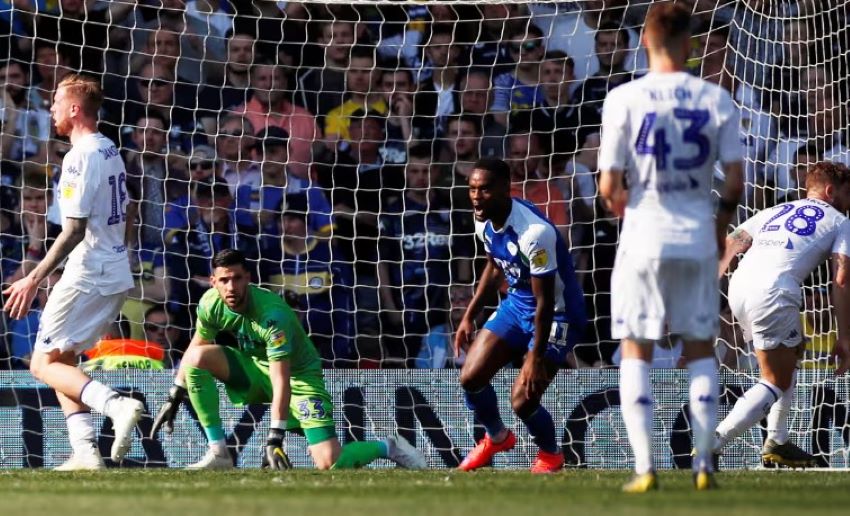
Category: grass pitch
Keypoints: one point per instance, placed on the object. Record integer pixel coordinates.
(411, 493)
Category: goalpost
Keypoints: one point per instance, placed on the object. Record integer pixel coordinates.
(296, 129)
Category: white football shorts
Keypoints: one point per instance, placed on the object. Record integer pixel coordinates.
(76, 320)
(768, 319)
(653, 297)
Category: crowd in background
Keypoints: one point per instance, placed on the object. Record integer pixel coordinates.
(332, 144)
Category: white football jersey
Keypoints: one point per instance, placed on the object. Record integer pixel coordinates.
(789, 241)
(666, 131)
(93, 185)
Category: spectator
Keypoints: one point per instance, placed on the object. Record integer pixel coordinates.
(149, 285)
(305, 270)
(188, 258)
(234, 144)
(202, 165)
(441, 89)
(491, 47)
(530, 182)
(52, 66)
(557, 119)
(160, 328)
(573, 32)
(612, 48)
(321, 88)
(519, 90)
(269, 107)
(579, 185)
(363, 93)
(26, 127)
(411, 116)
(117, 350)
(37, 233)
(162, 48)
(437, 349)
(233, 89)
(416, 257)
(475, 99)
(256, 206)
(461, 150)
(215, 14)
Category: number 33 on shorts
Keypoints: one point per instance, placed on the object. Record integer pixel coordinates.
(311, 408)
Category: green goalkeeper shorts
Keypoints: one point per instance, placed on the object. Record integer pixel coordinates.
(310, 407)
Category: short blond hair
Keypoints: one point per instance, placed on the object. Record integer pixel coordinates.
(86, 90)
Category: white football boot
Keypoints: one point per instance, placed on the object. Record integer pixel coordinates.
(86, 458)
(404, 454)
(213, 460)
(125, 414)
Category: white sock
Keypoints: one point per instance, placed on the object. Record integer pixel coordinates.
(219, 446)
(703, 403)
(749, 410)
(777, 419)
(636, 407)
(80, 430)
(96, 394)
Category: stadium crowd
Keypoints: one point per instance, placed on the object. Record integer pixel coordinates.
(332, 145)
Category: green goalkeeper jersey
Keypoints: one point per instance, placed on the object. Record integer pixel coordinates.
(268, 330)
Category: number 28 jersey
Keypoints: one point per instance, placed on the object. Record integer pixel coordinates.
(789, 241)
(666, 131)
(93, 186)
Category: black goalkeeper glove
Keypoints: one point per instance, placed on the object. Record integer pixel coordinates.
(167, 412)
(275, 457)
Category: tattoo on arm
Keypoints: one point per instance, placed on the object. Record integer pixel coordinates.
(741, 238)
(73, 232)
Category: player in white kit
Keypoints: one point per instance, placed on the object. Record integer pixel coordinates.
(783, 245)
(661, 136)
(95, 281)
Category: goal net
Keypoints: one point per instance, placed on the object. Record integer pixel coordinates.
(331, 142)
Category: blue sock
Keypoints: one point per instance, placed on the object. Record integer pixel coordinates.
(486, 409)
(542, 429)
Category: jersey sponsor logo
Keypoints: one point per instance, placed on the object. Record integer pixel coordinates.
(421, 240)
(540, 258)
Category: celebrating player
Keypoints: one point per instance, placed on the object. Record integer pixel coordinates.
(783, 245)
(275, 362)
(542, 316)
(96, 279)
(664, 132)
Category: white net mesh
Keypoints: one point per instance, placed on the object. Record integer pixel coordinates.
(331, 142)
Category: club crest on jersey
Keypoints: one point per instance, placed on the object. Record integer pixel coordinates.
(512, 248)
(540, 258)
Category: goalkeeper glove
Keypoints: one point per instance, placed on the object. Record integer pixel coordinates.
(168, 411)
(275, 457)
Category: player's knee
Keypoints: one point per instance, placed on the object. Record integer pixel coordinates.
(522, 406)
(197, 357)
(470, 381)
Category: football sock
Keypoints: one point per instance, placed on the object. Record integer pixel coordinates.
(703, 408)
(542, 429)
(204, 396)
(486, 408)
(749, 410)
(80, 430)
(636, 406)
(360, 453)
(96, 395)
(777, 419)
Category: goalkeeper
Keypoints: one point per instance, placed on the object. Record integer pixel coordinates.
(275, 362)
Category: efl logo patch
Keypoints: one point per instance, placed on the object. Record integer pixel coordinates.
(278, 339)
(68, 190)
(540, 258)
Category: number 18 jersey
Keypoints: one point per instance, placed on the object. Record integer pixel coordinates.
(789, 241)
(93, 187)
(666, 131)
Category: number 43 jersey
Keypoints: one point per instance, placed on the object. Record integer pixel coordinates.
(93, 187)
(665, 131)
(789, 241)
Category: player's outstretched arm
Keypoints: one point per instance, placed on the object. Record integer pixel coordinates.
(281, 395)
(20, 294)
(490, 280)
(841, 300)
(738, 242)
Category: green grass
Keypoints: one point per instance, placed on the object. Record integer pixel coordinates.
(405, 493)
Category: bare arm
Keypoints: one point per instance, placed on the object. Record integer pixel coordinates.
(841, 301)
(73, 232)
(487, 286)
(738, 242)
(732, 191)
(543, 288)
(281, 390)
(614, 194)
